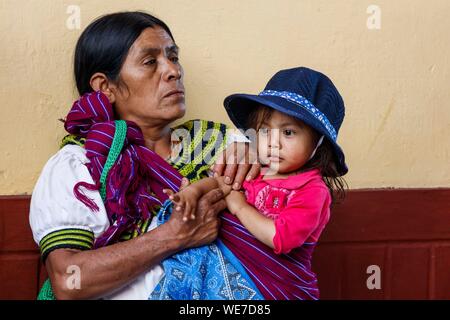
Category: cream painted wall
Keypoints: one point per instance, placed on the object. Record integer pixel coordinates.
(395, 80)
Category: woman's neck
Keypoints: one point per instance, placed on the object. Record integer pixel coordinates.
(157, 138)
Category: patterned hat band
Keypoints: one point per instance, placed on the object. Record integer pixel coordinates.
(306, 105)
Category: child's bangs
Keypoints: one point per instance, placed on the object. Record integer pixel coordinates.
(258, 116)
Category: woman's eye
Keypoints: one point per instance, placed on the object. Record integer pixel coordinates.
(175, 59)
(150, 62)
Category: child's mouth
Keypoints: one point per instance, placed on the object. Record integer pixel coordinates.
(274, 159)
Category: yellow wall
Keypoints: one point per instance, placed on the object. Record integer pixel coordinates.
(395, 80)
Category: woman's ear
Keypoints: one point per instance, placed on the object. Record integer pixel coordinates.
(99, 82)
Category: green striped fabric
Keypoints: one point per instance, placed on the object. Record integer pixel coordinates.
(207, 141)
(66, 238)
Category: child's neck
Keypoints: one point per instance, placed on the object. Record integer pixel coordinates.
(270, 175)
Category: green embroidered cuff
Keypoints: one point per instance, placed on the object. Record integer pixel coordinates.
(66, 238)
(72, 139)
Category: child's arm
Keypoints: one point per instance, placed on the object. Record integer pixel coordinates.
(261, 227)
(187, 198)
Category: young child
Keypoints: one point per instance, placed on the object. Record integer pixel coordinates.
(296, 120)
(289, 203)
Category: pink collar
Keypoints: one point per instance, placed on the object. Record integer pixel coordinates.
(295, 181)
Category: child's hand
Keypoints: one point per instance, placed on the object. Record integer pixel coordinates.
(184, 183)
(226, 189)
(235, 202)
(185, 200)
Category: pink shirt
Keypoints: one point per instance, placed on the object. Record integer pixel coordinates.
(299, 205)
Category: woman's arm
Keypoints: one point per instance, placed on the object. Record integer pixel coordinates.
(261, 227)
(107, 269)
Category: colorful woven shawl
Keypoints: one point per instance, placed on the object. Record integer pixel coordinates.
(134, 183)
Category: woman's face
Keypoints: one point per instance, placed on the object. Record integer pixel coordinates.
(150, 90)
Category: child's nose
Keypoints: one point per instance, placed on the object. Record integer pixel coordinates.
(274, 139)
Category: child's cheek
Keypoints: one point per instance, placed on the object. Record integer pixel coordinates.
(262, 153)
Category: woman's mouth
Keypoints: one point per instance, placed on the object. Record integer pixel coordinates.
(174, 94)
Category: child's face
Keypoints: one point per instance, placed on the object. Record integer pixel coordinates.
(284, 143)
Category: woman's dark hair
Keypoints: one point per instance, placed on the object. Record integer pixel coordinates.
(324, 158)
(104, 45)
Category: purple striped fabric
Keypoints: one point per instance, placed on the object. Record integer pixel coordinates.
(134, 184)
(278, 277)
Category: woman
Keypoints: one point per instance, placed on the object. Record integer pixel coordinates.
(127, 68)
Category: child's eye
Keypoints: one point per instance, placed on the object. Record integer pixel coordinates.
(288, 132)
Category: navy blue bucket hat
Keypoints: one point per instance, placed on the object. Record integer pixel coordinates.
(305, 94)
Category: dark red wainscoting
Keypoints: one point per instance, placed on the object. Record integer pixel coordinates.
(406, 233)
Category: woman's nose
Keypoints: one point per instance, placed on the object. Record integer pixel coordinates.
(172, 71)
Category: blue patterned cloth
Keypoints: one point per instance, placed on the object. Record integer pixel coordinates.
(210, 272)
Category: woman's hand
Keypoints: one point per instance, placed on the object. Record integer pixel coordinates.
(204, 229)
(236, 163)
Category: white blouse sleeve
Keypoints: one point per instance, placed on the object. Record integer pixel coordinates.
(57, 218)
(235, 135)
